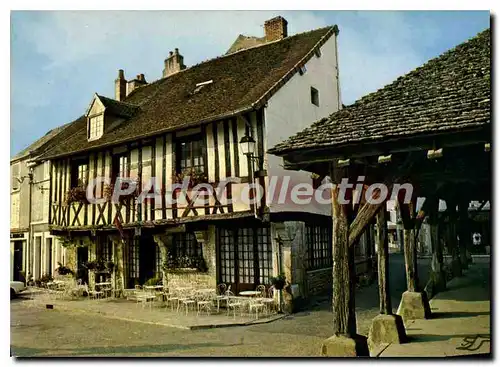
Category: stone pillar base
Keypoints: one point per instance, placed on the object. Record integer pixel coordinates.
(414, 306)
(344, 346)
(387, 329)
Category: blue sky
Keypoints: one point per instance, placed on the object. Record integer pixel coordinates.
(60, 59)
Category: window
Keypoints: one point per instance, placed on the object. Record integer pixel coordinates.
(190, 155)
(15, 176)
(185, 245)
(106, 250)
(317, 52)
(302, 70)
(95, 126)
(48, 254)
(120, 163)
(319, 247)
(245, 256)
(158, 263)
(79, 173)
(314, 96)
(133, 259)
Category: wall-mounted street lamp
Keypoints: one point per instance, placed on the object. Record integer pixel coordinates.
(247, 146)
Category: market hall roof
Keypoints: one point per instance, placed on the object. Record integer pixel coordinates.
(447, 94)
(242, 81)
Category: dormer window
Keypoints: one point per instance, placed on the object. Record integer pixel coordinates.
(95, 127)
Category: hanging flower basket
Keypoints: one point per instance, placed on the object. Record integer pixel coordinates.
(195, 177)
(76, 195)
(109, 190)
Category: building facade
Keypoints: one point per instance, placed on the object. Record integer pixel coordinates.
(193, 122)
(34, 250)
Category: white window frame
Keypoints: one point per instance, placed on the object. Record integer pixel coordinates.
(18, 188)
(95, 126)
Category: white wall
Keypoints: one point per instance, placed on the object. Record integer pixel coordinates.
(290, 110)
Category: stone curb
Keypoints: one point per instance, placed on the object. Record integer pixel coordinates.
(193, 327)
(248, 323)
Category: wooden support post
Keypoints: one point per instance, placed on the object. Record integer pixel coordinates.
(414, 304)
(383, 263)
(452, 243)
(344, 315)
(465, 235)
(437, 281)
(345, 342)
(386, 327)
(410, 250)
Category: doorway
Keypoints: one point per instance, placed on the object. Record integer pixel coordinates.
(147, 258)
(82, 256)
(244, 257)
(18, 261)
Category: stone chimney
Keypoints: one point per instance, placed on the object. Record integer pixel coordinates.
(173, 63)
(120, 86)
(135, 83)
(275, 28)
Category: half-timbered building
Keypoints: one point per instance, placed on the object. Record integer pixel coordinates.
(195, 119)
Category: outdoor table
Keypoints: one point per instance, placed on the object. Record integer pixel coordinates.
(155, 287)
(249, 293)
(205, 290)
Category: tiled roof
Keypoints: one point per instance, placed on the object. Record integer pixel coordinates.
(450, 92)
(118, 108)
(242, 81)
(244, 42)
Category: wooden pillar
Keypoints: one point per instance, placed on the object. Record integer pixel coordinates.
(464, 233)
(386, 328)
(452, 243)
(410, 250)
(438, 276)
(383, 263)
(345, 341)
(344, 315)
(414, 303)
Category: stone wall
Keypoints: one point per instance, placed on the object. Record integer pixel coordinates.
(190, 278)
(319, 282)
(195, 278)
(70, 257)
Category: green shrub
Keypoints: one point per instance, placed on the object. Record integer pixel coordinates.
(153, 281)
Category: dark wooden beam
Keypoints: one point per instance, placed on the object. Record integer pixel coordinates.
(383, 262)
(344, 310)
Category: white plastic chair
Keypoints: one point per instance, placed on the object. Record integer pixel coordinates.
(255, 304)
(234, 303)
(186, 300)
(205, 303)
(269, 300)
(222, 296)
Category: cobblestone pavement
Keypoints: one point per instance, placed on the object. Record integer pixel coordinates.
(41, 332)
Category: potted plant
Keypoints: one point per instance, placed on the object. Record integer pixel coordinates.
(63, 270)
(91, 265)
(279, 281)
(110, 266)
